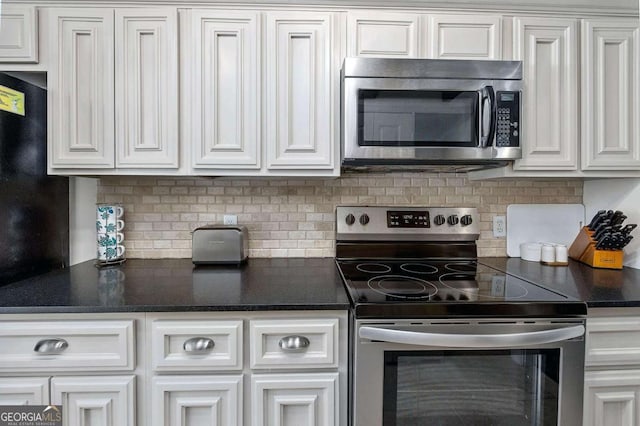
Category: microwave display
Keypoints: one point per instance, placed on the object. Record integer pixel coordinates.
(417, 118)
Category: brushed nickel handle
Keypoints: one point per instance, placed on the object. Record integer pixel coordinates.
(294, 343)
(197, 345)
(51, 346)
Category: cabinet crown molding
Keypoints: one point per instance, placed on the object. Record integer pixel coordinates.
(581, 7)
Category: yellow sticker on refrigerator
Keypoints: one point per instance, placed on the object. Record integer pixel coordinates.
(11, 100)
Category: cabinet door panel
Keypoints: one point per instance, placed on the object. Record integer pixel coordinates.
(300, 80)
(612, 398)
(548, 49)
(80, 86)
(147, 87)
(610, 95)
(18, 33)
(197, 400)
(225, 90)
(24, 390)
(294, 399)
(95, 401)
(380, 35)
(465, 37)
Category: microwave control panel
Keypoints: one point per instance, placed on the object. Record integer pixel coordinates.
(508, 123)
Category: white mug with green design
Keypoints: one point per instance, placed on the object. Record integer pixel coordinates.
(108, 218)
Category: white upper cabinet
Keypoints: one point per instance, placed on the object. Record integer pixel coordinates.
(465, 37)
(81, 88)
(146, 63)
(548, 48)
(383, 34)
(18, 33)
(225, 90)
(610, 94)
(301, 82)
(113, 73)
(414, 35)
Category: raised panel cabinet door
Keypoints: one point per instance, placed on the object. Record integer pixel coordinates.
(611, 398)
(80, 88)
(95, 400)
(383, 35)
(225, 89)
(610, 94)
(294, 399)
(196, 400)
(300, 88)
(18, 33)
(465, 37)
(548, 48)
(24, 390)
(146, 84)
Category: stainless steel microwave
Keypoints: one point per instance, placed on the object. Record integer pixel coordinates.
(430, 113)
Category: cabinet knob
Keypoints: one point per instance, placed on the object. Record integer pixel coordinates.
(197, 345)
(294, 343)
(51, 346)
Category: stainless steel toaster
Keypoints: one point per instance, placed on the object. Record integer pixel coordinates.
(219, 244)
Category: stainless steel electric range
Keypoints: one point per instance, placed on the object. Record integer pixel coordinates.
(438, 338)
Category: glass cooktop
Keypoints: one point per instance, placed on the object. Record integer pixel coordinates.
(400, 288)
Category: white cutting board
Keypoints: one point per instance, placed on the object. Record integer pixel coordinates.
(544, 223)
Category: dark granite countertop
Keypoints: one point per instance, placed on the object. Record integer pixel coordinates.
(145, 285)
(608, 288)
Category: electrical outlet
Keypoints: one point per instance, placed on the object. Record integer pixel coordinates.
(230, 219)
(499, 226)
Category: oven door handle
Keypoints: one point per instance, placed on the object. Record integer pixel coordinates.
(510, 340)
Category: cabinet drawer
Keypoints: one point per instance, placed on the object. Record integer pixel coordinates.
(296, 343)
(613, 342)
(81, 345)
(185, 345)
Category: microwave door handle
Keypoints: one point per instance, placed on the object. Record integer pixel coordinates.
(510, 340)
(489, 114)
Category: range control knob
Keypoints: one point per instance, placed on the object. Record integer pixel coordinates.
(350, 219)
(364, 219)
(453, 220)
(439, 220)
(466, 220)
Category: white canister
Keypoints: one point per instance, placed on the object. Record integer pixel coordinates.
(548, 253)
(530, 251)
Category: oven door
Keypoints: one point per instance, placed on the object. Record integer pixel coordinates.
(477, 372)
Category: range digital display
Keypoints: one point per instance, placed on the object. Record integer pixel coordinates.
(408, 219)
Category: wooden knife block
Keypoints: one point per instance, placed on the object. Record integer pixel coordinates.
(583, 249)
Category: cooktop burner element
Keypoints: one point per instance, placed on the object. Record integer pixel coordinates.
(402, 287)
(400, 262)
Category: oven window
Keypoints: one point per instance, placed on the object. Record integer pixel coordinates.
(417, 118)
(447, 388)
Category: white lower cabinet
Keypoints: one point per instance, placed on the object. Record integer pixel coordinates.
(24, 390)
(281, 368)
(197, 400)
(295, 399)
(612, 398)
(612, 369)
(95, 400)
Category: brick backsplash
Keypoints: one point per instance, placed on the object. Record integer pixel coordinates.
(294, 217)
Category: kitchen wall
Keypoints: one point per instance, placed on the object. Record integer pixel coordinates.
(295, 217)
(617, 194)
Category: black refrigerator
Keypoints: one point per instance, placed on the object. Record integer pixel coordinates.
(34, 207)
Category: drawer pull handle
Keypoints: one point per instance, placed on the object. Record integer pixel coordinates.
(197, 345)
(294, 343)
(51, 346)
